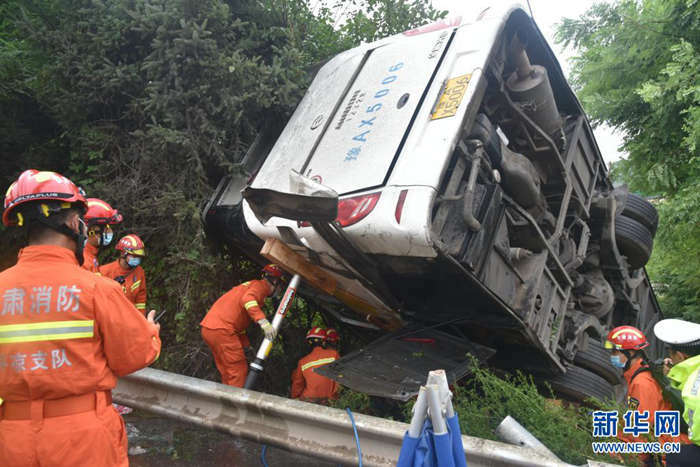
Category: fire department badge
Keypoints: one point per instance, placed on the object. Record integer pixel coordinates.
(632, 403)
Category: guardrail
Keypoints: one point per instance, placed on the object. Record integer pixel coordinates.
(310, 429)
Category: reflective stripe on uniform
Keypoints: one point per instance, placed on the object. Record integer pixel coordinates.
(690, 398)
(322, 361)
(250, 304)
(696, 385)
(48, 331)
(135, 285)
(140, 306)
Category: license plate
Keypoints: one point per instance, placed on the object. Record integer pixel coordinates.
(451, 97)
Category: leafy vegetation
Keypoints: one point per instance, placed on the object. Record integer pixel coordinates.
(147, 104)
(674, 265)
(487, 399)
(636, 70)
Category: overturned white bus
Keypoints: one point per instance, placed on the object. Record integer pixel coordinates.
(449, 180)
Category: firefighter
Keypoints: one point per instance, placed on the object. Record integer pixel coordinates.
(308, 385)
(224, 326)
(683, 339)
(127, 270)
(100, 216)
(644, 393)
(66, 335)
(331, 339)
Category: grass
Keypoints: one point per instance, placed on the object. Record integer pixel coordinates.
(484, 399)
(566, 429)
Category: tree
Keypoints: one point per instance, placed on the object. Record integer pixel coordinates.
(147, 104)
(674, 267)
(636, 70)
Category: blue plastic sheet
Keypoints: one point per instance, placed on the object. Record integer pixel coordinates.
(431, 450)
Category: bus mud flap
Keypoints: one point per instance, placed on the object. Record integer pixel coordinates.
(395, 365)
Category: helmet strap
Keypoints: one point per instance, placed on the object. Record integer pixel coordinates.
(642, 354)
(41, 212)
(94, 233)
(627, 354)
(124, 261)
(78, 238)
(631, 355)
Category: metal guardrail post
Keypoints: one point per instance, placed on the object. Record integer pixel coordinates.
(510, 431)
(313, 430)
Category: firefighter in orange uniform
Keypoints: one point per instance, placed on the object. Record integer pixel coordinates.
(224, 326)
(331, 340)
(100, 216)
(308, 385)
(626, 344)
(65, 336)
(127, 270)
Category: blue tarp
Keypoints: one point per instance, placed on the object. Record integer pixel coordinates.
(431, 450)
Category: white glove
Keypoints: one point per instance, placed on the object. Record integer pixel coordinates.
(270, 332)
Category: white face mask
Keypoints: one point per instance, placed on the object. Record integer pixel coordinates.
(616, 361)
(133, 261)
(107, 237)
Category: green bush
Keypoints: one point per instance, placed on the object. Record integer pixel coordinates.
(148, 104)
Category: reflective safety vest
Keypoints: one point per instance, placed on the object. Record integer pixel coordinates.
(686, 377)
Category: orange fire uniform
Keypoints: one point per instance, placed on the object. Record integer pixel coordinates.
(133, 283)
(65, 337)
(90, 262)
(644, 393)
(308, 385)
(224, 326)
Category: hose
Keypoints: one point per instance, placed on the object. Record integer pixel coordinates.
(357, 443)
(357, 438)
(262, 455)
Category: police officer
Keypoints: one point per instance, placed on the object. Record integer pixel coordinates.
(683, 339)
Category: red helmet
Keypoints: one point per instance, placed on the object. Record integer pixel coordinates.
(273, 270)
(316, 333)
(33, 185)
(332, 336)
(626, 338)
(132, 245)
(101, 213)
